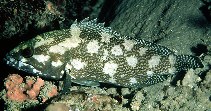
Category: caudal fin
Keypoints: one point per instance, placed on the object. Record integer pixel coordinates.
(184, 62)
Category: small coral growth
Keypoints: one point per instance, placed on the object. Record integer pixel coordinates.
(27, 90)
(14, 89)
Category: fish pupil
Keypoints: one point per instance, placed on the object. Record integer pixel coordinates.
(27, 52)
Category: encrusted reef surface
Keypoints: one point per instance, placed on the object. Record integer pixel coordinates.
(19, 17)
(159, 97)
(179, 25)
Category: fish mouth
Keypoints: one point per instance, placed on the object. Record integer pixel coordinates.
(20, 65)
(26, 67)
(10, 61)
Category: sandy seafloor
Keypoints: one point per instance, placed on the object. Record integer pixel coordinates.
(181, 25)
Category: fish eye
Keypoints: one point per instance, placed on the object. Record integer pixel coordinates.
(27, 52)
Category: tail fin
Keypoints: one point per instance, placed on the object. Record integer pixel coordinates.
(184, 62)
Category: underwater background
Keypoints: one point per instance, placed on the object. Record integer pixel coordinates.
(182, 26)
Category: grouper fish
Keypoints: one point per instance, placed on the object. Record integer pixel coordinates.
(89, 53)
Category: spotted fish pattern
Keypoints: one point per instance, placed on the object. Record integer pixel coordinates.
(90, 53)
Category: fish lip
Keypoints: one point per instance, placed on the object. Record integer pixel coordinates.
(24, 66)
(28, 68)
(7, 60)
(10, 61)
(16, 64)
